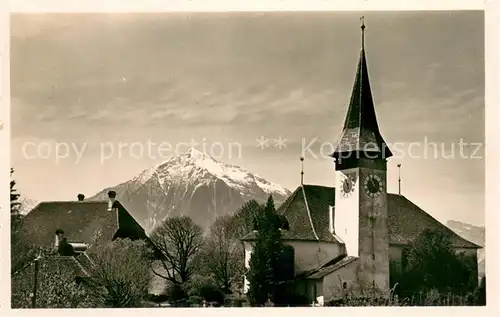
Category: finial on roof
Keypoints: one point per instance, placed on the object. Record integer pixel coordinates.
(362, 19)
(302, 171)
(399, 179)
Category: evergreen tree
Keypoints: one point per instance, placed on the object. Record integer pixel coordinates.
(15, 205)
(21, 253)
(264, 275)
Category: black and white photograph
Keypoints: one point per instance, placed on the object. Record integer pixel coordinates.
(247, 159)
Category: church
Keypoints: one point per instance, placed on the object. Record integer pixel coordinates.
(348, 238)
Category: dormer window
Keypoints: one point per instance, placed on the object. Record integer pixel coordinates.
(283, 223)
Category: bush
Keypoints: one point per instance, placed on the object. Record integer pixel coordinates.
(430, 265)
(205, 288)
(195, 300)
(211, 293)
(175, 293)
(121, 273)
(57, 287)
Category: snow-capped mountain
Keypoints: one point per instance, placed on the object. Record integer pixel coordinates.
(474, 234)
(192, 184)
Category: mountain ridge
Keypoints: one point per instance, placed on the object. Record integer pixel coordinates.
(192, 184)
(474, 234)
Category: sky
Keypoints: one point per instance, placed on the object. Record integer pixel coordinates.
(97, 98)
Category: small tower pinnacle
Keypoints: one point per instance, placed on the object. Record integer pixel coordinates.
(399, 179)
(302, 171)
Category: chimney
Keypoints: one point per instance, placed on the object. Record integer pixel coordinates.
(330, 224)
(59, 236)
(112, 198)
(81, 197)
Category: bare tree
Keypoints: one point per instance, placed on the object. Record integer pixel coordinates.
(120, 273)
(224, 253)
(179, 241)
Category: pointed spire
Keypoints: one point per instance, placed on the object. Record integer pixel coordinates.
(361, 133)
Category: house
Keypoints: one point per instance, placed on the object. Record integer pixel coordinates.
(351, 236)
(69, 228)
(89, 222)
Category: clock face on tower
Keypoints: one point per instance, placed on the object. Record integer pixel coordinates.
(347, 186)
(373, 185)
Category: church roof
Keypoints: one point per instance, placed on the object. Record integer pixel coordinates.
(361, 132)
(81, 221)
(405, 219)
(307, 212)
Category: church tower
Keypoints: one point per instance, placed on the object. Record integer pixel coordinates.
(361, 178)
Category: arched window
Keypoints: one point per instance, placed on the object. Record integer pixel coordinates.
(287, 262)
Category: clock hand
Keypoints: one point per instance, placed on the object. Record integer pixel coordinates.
(372, 183)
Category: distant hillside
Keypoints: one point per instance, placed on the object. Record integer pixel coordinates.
(474, 234)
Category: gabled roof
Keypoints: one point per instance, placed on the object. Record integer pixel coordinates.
(82, 221)
(406, 221)
(307, 212)
(361, 132)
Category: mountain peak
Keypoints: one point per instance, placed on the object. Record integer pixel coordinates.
(199, 158)
(193, 184)
(195, 153)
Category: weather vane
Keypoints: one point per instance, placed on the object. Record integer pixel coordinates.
(362, 20)
(399, 179)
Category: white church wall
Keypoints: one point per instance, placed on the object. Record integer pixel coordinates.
(333, 283)
(248, 246)
(346, 220)
(310, 254)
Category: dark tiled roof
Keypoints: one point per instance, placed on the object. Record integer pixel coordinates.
(68, 262)
(329, 267)
(307, 218)
(360, 126)
(82, 221)
(406, 221)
